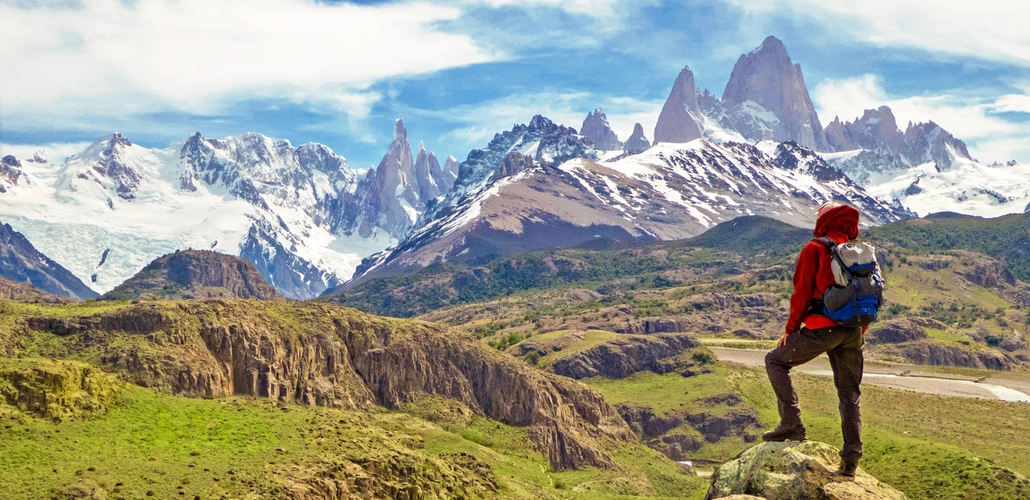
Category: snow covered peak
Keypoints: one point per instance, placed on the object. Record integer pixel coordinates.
(542, 140)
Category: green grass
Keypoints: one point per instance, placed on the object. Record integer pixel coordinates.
(663, 393)
(157, 443)
(948, 338)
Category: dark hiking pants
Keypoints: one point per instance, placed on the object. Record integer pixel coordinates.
(844, 347)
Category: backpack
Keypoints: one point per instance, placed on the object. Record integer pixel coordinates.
(856, 297)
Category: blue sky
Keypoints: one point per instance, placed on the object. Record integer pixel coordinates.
(457, 72)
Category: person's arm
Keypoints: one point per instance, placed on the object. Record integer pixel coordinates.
(804, 290)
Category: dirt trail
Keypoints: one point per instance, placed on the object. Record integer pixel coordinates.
(1004, 386)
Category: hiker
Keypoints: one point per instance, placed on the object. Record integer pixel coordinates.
(809, 333)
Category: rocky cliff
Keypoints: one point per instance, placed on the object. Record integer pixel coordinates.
(21, 262)
(56, 389)
(322, 355)
(626, 355)
(195, 274)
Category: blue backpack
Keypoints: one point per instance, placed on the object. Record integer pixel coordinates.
(856, 297)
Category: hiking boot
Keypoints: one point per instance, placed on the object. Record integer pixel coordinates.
(848, 468)
(786, 433)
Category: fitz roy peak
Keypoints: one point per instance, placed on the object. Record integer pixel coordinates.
(300, 214)
(309, 222)
(766, 98)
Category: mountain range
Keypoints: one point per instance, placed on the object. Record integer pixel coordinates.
(311, 224)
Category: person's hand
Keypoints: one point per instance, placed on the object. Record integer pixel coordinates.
(783, 340)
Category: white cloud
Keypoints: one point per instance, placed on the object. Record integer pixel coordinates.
(56, 151)
(970, 118)
(847, 98)
(197, 55)
(992, 31)
(1012, 103)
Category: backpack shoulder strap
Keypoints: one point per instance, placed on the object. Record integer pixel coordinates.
(826, 241)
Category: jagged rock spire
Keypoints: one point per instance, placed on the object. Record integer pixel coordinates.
(596, 128)
(637, 143)
(680, 119)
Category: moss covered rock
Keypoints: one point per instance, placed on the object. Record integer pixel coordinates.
(56, 389)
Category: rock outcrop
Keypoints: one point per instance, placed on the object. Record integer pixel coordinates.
(897, 331)
(323, 355)
(794, 471)
(929, 353)
(637, 142)
(21, 262)
(196, 274)
(55, 389)
(766, 98)
(24, 292)
(10, 172)
(596, 128)
(624, 356)
(681, 119)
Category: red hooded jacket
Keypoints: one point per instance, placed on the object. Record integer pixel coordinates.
(813, 276)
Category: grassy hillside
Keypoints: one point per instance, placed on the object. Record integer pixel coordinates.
(149, 444)
(1005, 238)
(290, 397)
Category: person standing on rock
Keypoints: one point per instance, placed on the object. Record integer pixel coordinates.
(808, 334)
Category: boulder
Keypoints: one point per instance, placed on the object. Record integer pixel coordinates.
(791, 471)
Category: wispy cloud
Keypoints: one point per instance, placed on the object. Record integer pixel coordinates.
(992, 31)
(198, 56)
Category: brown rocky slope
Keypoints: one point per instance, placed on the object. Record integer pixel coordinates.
(195, 274)
(323, 355)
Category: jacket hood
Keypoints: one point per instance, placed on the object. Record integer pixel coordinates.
(842, 220)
